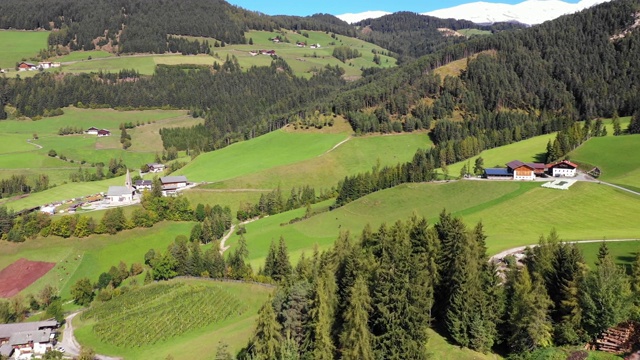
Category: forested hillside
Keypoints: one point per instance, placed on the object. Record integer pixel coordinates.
(412, 35)
(516, 84)
(143, 25)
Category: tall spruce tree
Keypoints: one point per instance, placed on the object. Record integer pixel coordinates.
(528, 323)
(265, 343)
(356, 338)
(282, 267)
(606, 296)
(323, 316)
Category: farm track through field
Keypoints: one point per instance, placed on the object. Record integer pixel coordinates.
(336, 146)
(226, 237)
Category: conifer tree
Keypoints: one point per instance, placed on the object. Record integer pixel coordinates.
(323, 315)
(528, 321)
(615, 121)
(266, 339)
(605, 296)
(282, 266)
(563, 288)
(356, 339)
(634, 125)
(270, 261)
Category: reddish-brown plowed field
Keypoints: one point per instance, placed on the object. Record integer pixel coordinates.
(21, 274)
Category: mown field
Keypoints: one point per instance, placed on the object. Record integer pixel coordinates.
(264, 152)
(358, 154)
(193, 325)
(577, 214)
(89, 257)
(616, 156)
(18, 45)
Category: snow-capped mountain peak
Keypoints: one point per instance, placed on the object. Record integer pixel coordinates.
(527, 12)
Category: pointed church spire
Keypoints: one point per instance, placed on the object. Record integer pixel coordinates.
(127, 181)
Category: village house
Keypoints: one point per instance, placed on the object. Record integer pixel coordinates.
(300, 44)
(267, 52)
(314, 46)
(171, 184)
(562, 168)
(141, 185)
(45, 65)
(155, 167)
(22, 340)
(104, 132)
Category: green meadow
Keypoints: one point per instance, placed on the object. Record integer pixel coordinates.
(264, 152)
(83, 55)
(513, 214)
(616, 156)
(623, 252)
(88, 257)
(358, 154)
(526, 150)
(18, 45)
(235, 330)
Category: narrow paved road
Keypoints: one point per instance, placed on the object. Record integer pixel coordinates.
(70, 344)
(518, 249)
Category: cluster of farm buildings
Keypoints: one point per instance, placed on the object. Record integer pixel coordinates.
(27, 340)
(127, 193)
(518, 170)
(27, 66)
(95, 131)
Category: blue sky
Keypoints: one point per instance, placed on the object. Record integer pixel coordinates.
(337, 7)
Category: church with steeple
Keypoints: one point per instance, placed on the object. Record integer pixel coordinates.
(121, 194)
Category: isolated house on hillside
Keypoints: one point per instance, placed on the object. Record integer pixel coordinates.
(92, 131)
(562, 168)
(104, 132)
(516, 170)
(155, 167)
(24, 66)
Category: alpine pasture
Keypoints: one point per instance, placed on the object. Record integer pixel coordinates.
(19, 45)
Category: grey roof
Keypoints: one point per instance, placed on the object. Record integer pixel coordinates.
(143, 182)
(35, 336)
(6, 350)
(6, 330)
(173, 179)
(118, 191)
(497, 172)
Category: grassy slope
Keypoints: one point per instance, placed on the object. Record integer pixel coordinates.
(526, 150)
(359, 154)
(18, 45)
(532, 211)
(616, 156)
(89, 257)
(267, 151)
(234, 331)
(622, 252)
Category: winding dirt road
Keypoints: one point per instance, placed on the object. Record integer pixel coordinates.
(70, 344)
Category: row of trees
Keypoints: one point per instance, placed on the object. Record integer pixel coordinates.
(376, 297)
(20, 184)
(274, 203)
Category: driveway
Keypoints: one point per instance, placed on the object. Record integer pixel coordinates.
(70, 344)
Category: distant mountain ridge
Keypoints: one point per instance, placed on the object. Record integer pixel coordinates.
(529, 12)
